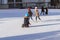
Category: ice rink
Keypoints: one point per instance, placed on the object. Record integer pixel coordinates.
(11, 21)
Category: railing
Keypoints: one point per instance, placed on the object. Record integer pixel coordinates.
(23, 5)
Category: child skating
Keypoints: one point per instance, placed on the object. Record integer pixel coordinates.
(26, 21)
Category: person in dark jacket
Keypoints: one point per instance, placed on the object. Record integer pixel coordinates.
(30, 13)
(46, 11)
(42, 10)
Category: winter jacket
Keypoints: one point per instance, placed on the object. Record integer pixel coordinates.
(36, 12)
(26, 15)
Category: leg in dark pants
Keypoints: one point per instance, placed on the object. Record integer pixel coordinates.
(39, 18)
(31, 17)
(36, 18)
(42, 13)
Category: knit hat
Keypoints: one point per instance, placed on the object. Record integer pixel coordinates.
(35, 7)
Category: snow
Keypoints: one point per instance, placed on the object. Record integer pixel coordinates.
(46, 29)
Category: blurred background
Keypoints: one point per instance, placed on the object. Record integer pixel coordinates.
(22, 4)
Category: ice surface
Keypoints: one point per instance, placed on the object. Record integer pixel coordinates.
(46, 29)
